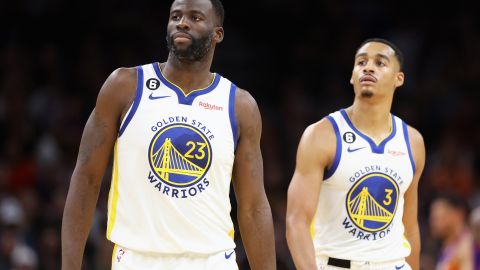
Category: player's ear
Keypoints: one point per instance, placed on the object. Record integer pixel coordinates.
(219, 33)
(400, 78)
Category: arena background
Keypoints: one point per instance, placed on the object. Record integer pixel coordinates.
(295, 57)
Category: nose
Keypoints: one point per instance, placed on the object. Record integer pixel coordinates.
(183, 24)
(368, 68)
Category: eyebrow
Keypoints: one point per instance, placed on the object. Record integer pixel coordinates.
(194, 11)
(377, 55)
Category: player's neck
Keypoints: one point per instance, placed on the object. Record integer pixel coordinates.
(372, 119)
(189, 76)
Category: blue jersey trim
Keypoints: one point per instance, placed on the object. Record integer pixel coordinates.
(405, 134)
(338, 152)
(136, 102)
(188, 98)
(231, 113)
(377, 149)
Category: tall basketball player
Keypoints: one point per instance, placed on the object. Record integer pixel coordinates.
(180, 134)
(354, 190)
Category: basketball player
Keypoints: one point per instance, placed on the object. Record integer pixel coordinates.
(354, 190)
(179, 134)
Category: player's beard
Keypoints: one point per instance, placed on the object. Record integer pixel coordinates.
(367, 94)
(195, 52)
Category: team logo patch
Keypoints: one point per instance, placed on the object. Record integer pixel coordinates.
(179, 155)
(371, 203)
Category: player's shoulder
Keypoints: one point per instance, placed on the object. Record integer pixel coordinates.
(321, 128)
(245, 103)
(123, 76)
(319, 134)
(119, 88)
(415, 137)
(244, 97)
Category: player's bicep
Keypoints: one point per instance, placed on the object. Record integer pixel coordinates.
(248, 164)
(101, 129)
(96, 145)
(312, 159)
(411, 195)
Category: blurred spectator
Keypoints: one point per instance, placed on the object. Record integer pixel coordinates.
(449, 223)
(15, 254)
(475, 225)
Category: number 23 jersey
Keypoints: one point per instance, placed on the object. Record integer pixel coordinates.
(172, 168)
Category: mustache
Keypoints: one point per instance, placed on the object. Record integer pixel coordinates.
(183, 32)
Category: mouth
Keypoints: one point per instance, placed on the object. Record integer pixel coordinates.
(367, 80)
(181, 36)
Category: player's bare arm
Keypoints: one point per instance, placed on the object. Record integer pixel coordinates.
(315, 153)
(410, 220)
(96, 145)
(254, 213)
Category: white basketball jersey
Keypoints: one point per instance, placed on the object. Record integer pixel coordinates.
(360, 208)
(172, 168)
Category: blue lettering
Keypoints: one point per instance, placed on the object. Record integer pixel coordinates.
(200, 187)
(360, 235)
(206, 182)
(346, 224)
(183, 193)
(166, 190)
(192, 193)
(151, 178)
(159, 186)
(353, 231)
(175, 193)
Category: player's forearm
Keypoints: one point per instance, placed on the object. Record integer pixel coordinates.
(256, 228)
(300, 244)
(77, 219)
(413, 236)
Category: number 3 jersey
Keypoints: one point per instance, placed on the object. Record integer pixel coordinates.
(172, 168)
(360, 208)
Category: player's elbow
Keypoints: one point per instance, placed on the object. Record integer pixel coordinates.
(295, 224)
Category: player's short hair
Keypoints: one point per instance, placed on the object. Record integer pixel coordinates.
(394, 47)
(219, 10)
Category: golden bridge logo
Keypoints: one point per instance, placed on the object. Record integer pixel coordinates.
(372, 202)
(180, 155)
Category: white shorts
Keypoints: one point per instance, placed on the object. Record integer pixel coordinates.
(322, 264)
(124, 259)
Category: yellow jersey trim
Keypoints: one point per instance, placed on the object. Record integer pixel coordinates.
(406, 243)
(115, 248)
(113, 194)
(312, 229)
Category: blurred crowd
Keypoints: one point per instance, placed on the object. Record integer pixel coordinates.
(294, 57)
